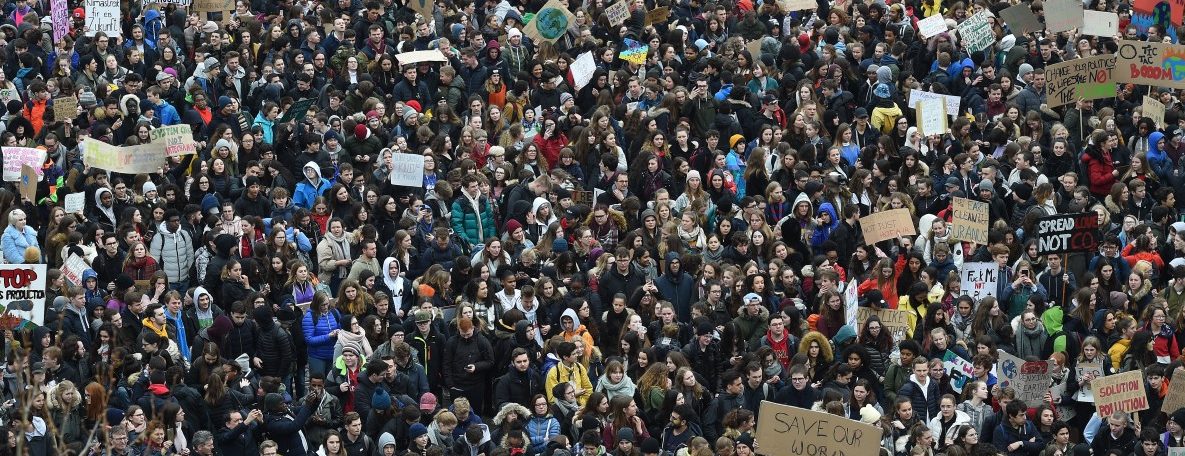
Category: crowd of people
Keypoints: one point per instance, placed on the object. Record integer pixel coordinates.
(626, 263)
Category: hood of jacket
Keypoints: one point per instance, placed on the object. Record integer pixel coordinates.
(1155, 153)
(817, 337)
(317, 169)
(224, 243)
(99, 196)
(802, 198)
(575, 319)
(1052, 319)
(197, 294)
(386, 439)
(506, 410)
(830, 210)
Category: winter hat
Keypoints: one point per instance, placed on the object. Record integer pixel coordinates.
(884, 75)
(79, 13)
(881, 90)
(223, 102)
(514, 32)
(224, 143)
(985, 185)
(560, 245)
(869, 415)
(745, 439)
(493, 45)
(414, 105)
(372, 114)
(456, 29)
(695, 174)
(381, 400)
(701, 44)
(210, 204)
(416, 430)
(1024, 70)
(410, 115)
(953, 182)
(354, 347)
(428, 402)
(875, 298)
(734, 139)
(1022, 190)
(625, 434)
(511, 225)
(220, 328)
(209, 27)
(148, 187)
(114, 416)
(564, 97)
(651, 446)
(1178, 416)
(426, 291)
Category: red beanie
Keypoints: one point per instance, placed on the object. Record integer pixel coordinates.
(414, 105)
(511, 225)
(360, 131)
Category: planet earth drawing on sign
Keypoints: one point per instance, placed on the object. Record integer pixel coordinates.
(551, 23)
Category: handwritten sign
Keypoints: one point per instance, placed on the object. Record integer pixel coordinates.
(1020, 19)
(789, 6)
(976, 32)
(1088, 78)
(618, 13)
(793, 430)
(889, 224)
(60, 14)
(1120, 392)
(65, 108)
(896, 321)
(102, 16)
(979, 279)
(583, 69)
(851, 299)
(22, 291)
(142, 159)
(204, 7)
(7, 95)
(658, 15)
(1068, 233)
(414, 57)
(1083, 370)
(1100, 23)
(1030, 379)
(952, 101)
(74, 203)
(425, 8)
(1175, 398)
(1154, 64)
(298, 111)
(28, 183)
(550, 23)
(969, 220)
(73, 268)
(1153, 109)
(177, 139)
(15, 157)
(931, 117)
(1063, 15)
(932, 26)
(959, 370)
(407, 170)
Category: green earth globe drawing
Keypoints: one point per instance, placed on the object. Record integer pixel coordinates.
(551, 23)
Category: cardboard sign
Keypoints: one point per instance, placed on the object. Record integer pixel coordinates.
(414, 57)
(1175, 398)
(583, 69)
(977, 34)
(298, 111)
(979, 280)
(1153, 109)
(1120, 392)
(895, 321)
(204, 7)
(15, 157)
(887, 225)
(789, 6)
(7, 95)
(635, 55)
(793, 430)
(550, 23)
(583, 197)
(1086, 393)
(1068, 233)
(1020, 19)
(1030, 379)
(658, 15)
(958, 369)
(1088, 78)
(618, 13)
(952, 101)
(1063, 15)
(65, 108)
(103, 16)
(73, 268)
(932, 26)
(142, 159)
(931, 117)
(425, 8)
(177, 139)
(1153, 64)
(969, 220)
(22, 291)
(59, 13)
(74, 203)
(28, 183)
(407, 170)
(1100, 23)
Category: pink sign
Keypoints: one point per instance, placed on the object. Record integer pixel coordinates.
(61, 19)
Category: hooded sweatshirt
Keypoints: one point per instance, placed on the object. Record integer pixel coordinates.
(678, 288)
(308, 190)
(578, 331)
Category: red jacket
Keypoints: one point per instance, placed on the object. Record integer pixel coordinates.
(1100, 172)
(550, 148)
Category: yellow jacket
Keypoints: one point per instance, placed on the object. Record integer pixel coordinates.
(577, 374)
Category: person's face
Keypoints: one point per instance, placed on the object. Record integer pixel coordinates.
(1116, 426)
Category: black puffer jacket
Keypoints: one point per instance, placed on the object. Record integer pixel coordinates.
(274, 346)
(242, 339)
(460, 352)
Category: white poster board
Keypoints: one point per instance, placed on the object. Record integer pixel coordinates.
(851, 302)
(1100, 23)
(72, 269)
(931, 117)
(582, 69)
(932, 26)
(979, 279)
(74, 202)
(102, 16)
(952, 101)
(22, 291)
(407, 170)
(16, 157)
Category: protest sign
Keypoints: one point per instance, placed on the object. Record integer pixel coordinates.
(103, 16)
(142, 159)
(897, 322)
(931, 117)
(1153, 64)
(426, 8)
(634, 52)
(887, 225)
(7, 95)
(1153, 109)
(1068, 233)
(28, 183)
(1176, 10)
(1120, 392)
(1087, 78)
(583, 69)
(550, 23)
(1175, 398)
(1176, 451)
(1100, 23)
(932, 25)
(851, 301)
(658, 15)
(952, 101)
(789, 6)
(177, 139)
(1020, 19)
(754, 48)
(1083, 370)
(204, 7)
(59, 13)
(787, 430)
(15, 157)
(969, 220)
(618, 12)
(1030, 379)
(74, 203)
(1063, 15)
(414, 57)
(958, 370)
(407, 170)
(72, 269)
(65, 108)
(979, 279)
(976, 32)
(22, 291)
(298, 111)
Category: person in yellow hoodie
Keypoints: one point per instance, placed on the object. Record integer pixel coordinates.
(1127, 329)
(885, 114)
(568, 370)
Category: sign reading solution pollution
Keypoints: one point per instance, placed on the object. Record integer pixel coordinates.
(786, 431)
(1120, 393)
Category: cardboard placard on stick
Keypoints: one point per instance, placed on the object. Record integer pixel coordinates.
(932, 26)
(976, 32)
(1100, 23)
(931, 117)
(413, 57)
(1120, 392)
(550, 23)
(204, 7)
(1068, 233)
(65, 108)
(1088, 78)
(969, 220)
(1151, 64)
(790, 430)
(979, 280)
(658, 15)
(74, 203)
(1030, 379)
(1175, 398)
(897, 322)
(73, 268)
(28, 183)
(887, 225)
(618, 12)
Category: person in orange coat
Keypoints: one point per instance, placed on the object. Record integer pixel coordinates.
(36, 106)
(884, 278)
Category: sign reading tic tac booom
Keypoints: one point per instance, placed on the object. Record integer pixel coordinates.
(787, 431)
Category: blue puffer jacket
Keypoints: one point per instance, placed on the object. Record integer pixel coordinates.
(316, 334)
(541, 429)
(14, 242)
